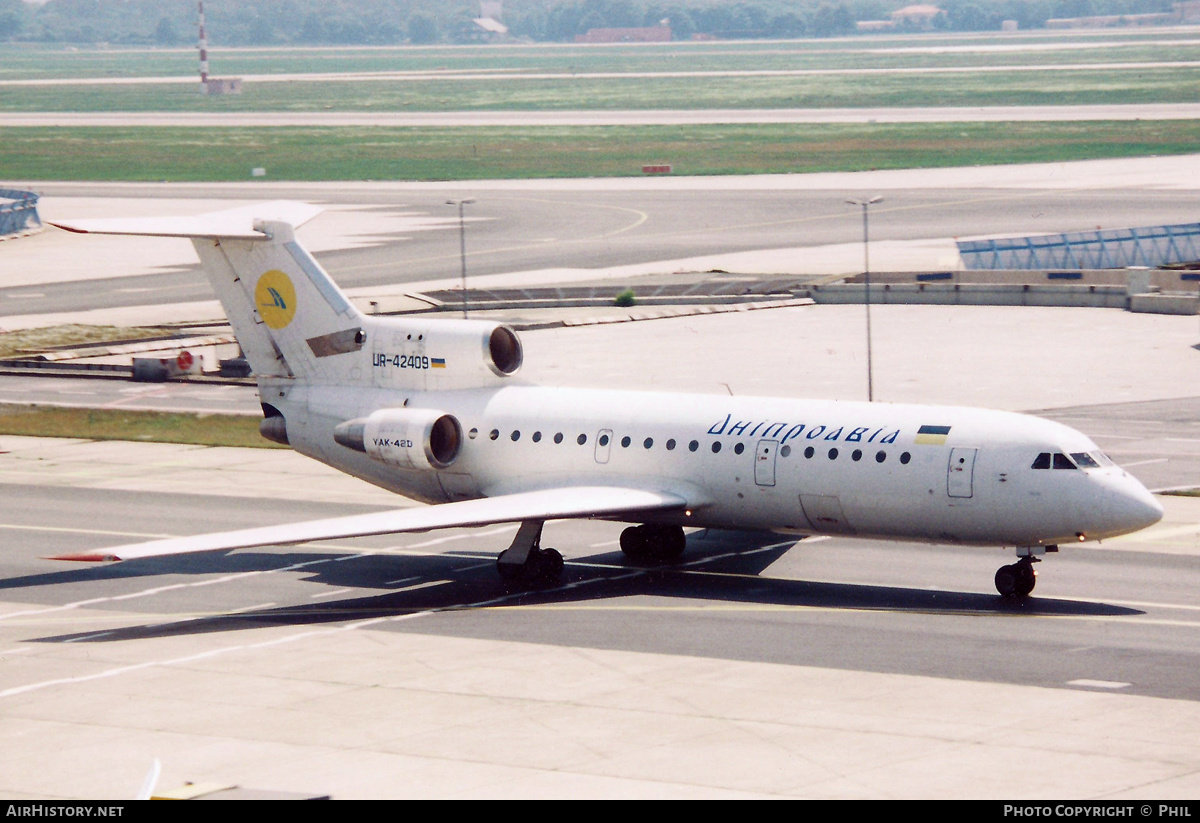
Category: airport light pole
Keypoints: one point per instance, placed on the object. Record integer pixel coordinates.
(462, 246)
(866, 205)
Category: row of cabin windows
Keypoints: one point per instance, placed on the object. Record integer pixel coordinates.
(648, 443)
(1077, 460)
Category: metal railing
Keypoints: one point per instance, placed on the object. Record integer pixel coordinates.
(1151, 247)
(19, 214)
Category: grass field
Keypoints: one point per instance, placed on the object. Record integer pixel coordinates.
(359, 153)
(24, 341)
(143, 426)
(1044, 68)
(1001, 69)
(27, 62)
(1052, 86)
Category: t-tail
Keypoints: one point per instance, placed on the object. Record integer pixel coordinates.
(295, 324)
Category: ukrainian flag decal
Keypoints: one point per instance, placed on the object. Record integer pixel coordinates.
(437, 363)
(275, 299)
(932, 435)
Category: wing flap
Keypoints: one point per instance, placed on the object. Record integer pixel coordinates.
(237, 222)
(548, 504)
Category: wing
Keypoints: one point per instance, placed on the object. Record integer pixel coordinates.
(548, 504)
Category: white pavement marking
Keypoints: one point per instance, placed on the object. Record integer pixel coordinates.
(1098, 684)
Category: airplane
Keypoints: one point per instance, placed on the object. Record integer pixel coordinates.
(434, 410)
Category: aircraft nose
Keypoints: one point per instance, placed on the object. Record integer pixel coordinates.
(1131, 507)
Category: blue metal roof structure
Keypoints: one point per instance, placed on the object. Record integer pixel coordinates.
(1151, 247)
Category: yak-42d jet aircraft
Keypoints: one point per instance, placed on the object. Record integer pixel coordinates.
(432, 410)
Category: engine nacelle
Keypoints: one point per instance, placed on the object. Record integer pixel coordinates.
(405, 438)
(424, 354)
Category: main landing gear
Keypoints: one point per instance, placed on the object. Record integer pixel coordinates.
(525, 563)
(660, 544)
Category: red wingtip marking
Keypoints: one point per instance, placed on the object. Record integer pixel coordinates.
(86, 557)
(67, 228)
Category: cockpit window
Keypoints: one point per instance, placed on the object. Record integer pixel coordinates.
(1084, 460)
(1061, 461)
(1103, 459)
(1056, 460)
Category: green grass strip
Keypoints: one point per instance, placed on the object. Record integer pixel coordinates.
(429, 154)
(139, 426)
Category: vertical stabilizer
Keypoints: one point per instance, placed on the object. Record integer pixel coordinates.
(283, 299)
(287, 313)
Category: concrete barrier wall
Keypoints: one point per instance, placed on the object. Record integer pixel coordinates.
(1112, 297)
(1164, 303)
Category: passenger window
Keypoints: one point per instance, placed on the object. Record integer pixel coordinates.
(604, 440)
(625, 441)
(905, 457)
(671, 445)
(833, 453)
(648, 442)
(716, 446)
(785, 451)
(856, 455)
(516, 435)
(537, 437)
(494, 433)
(581, 439)
(693, 446)
(1042, 461)
(558, 438)
(739, 448)
(1061, 461)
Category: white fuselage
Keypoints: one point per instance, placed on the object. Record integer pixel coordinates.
(803, 466)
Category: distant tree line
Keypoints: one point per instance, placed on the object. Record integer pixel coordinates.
(387, 22)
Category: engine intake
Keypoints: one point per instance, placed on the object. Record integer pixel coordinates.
(504, 348)
(405, 438)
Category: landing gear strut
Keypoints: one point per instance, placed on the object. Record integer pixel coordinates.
(525, 563)
(1018, 579)
(653, 543)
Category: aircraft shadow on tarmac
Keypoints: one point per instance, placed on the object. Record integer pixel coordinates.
(726, 571)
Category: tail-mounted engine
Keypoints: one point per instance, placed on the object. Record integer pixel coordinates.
(412, 353)
(405, 438)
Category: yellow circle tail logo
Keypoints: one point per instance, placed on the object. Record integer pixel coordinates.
(275, 298)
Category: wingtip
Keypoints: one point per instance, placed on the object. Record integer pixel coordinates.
(87, 557)
(67, 227)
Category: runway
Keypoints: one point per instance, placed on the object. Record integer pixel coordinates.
(759, 667)
(655, 117)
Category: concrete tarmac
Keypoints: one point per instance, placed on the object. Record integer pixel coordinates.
(399, 669)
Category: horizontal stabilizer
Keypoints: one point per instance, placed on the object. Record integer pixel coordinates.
(548, 504)
(236, 222)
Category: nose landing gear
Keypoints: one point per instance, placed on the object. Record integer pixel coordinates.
(1018, 579)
